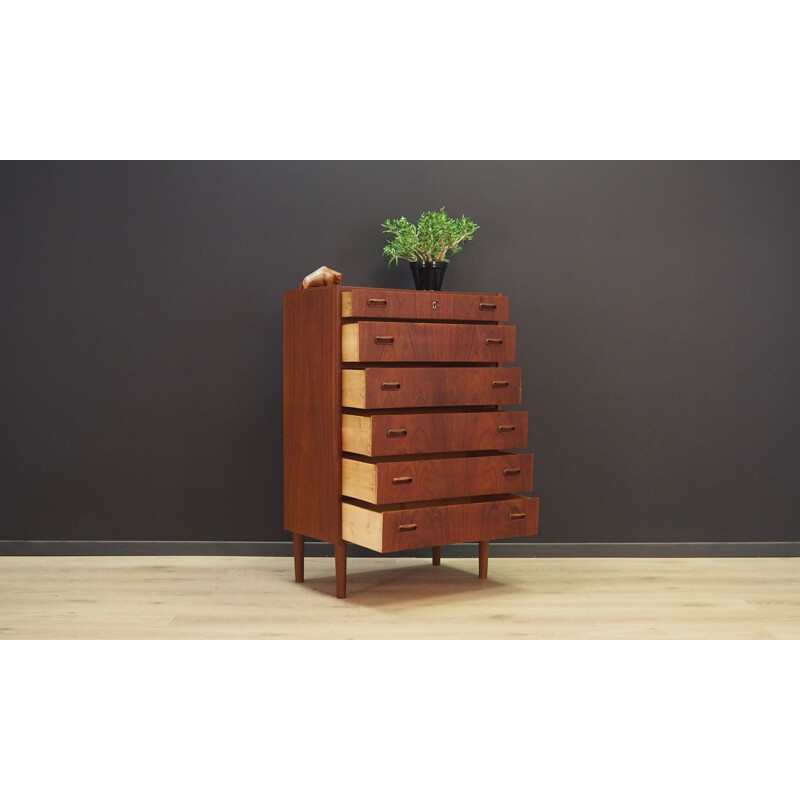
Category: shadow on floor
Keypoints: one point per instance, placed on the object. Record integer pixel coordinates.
(413, 584)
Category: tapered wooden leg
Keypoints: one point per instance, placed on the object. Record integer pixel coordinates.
(299, 554)
(340, 554)
(437, 556)
(483, 559)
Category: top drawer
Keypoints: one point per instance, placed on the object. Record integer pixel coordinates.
(414, 304)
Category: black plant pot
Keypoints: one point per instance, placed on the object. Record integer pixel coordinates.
(428, 275)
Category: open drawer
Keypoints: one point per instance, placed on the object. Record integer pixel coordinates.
(390, 529)
(423, 478)
(416, 387)
(427, 341)
(397, 434)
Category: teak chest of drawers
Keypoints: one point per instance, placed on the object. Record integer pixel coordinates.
(395, 432)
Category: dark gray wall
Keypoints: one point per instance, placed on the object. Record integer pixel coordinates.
(140, 336)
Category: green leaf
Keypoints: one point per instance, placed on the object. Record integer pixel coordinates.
(434, 235)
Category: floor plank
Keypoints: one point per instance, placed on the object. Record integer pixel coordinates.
(227, 597)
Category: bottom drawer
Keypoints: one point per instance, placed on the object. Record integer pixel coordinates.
(422, 526)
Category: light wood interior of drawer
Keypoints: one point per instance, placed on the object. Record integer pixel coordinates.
(357, 434)
(350, 341)
(360, 479)
(347, 304)
(362, 526)
(354, 388)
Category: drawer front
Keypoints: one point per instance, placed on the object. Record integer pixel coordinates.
(425, 526)
(436, 478)
(421, 341)
(405, 434)
(413, 304)
(411, 387)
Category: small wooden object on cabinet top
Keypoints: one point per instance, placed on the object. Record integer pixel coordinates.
(395, 435)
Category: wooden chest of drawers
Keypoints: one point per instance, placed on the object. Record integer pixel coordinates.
(395, 435)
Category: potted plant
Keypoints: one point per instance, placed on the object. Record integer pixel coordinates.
(426, 245)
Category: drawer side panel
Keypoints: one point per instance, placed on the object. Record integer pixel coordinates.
(312, 413)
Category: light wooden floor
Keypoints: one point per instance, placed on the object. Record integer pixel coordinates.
(250, 598)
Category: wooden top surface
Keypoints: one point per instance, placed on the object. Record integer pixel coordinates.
(344, 288)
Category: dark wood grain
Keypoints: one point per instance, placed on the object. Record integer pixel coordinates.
(460, 522)
(312, 413)
(421, 341)
(402, 434)
(437, 556)
(443, 386)
(483, 559)
(443, 478)
(299, 556)
(412, 304)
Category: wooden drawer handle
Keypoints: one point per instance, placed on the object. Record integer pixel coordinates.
(518, 515)
(384, 340)
(404, 479)
(487, 306)
(390, 387)
(374, 301)
(508, 472)
(506, 428)
(411, 527)
(499, 384)
(494, 342)
(396, 433)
